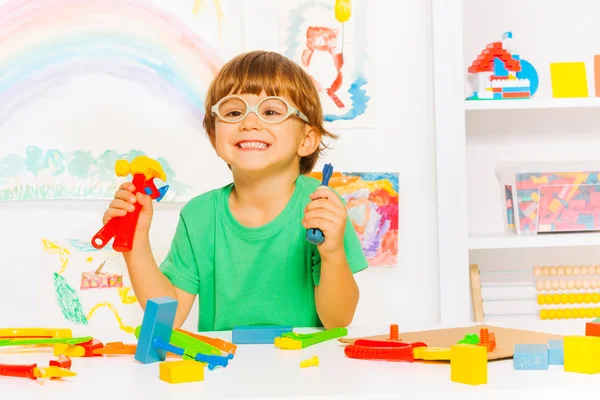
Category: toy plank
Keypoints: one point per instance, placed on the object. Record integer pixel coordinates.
(257, 334)
(506, 338)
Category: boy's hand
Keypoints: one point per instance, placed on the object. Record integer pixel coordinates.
(124, 202)
(327, 213)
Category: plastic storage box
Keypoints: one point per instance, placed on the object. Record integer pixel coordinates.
(550, 197)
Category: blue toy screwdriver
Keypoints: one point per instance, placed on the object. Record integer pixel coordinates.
(315, 235)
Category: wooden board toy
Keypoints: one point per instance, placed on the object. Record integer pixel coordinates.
(506, 338)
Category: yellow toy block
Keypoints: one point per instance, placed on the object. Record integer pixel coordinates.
(569, 79)
(468, 364)
(582, 354)
(181, 371)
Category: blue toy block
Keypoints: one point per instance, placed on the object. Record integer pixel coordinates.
(257, 334)
(530, 356)
(499, 68)
(157, 324)
(556, 353)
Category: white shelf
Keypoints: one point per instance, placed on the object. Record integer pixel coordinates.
(528, 104)
(507, 241)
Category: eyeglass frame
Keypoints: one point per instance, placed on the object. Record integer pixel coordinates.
(291, 110)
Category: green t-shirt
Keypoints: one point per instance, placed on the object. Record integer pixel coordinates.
(250, 276)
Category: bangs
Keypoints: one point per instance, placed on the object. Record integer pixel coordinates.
(253, 74)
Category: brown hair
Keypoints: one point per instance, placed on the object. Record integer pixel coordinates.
(277, 75)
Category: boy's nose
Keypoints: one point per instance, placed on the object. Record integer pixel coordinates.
(251, 121)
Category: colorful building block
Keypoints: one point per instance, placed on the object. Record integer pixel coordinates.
(530, 356)
(157, 323)
(582, 354)
(569, 79)
(257, 334)
(556, 353)
(182, 371)
(468, 364)
(592, 329)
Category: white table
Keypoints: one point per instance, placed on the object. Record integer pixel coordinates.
(264, 371)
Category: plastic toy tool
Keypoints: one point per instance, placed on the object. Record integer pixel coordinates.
(56, 369)
(315, 235)
(144, 170)
(297, 341)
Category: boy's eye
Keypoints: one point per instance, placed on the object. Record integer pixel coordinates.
(233, 113)
(271, 112)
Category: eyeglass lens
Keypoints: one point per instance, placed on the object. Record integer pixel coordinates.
(270, 110)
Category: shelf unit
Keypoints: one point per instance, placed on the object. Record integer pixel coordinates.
(451, 110)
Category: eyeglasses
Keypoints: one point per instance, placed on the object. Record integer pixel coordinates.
(271, 110)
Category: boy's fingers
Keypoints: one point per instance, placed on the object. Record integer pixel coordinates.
(326, 194)
(122, 205)
(322, 204)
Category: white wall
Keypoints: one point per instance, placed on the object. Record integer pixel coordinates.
(403, 141)
(544, 31)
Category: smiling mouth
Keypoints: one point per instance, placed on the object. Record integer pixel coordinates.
(254, 145)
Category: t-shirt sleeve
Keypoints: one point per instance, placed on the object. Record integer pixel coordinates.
(354, 253)
(180, 264)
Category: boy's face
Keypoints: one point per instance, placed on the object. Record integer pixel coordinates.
(252, 145)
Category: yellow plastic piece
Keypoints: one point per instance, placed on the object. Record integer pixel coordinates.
(468, 364)
(431, 353)
(554, 205)
(311, 362)
(140, 165)
(36, 332)
(582, 354)
(287, 343)
(569, 80)
(69, 350)
(182, 371)
(52, 372)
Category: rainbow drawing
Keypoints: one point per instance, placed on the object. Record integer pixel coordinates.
(46, 43)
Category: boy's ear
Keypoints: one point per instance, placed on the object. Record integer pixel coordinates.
(311, 141)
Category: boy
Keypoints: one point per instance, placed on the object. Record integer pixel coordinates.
(242, 248)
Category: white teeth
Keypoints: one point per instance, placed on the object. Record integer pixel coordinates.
(253, 145)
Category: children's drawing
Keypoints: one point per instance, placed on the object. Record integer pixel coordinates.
(102, 281)
(82, 81)
(372, 201)
(331, 41)
(49, 174)
(498, 74)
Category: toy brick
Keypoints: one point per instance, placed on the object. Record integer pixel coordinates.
(468, 364)
(257, 334)
(530, 356)
(582, 354)
(592, 329)
(159, 316)
(182, 371)
(556, 353)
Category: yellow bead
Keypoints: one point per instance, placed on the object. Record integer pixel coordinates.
(543, 314)
(587, 298)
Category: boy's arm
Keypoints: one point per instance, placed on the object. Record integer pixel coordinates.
(149, 282)
(336, 296)
(338, 258)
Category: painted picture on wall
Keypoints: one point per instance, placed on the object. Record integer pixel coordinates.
(90, 287)
(334, 42)
(372, 200)
(83, 81)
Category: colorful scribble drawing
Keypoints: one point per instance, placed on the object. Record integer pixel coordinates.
(318, 41)
(100, 280)
(116, 295)
(372, 201)
(136, 40)
(51, 175)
